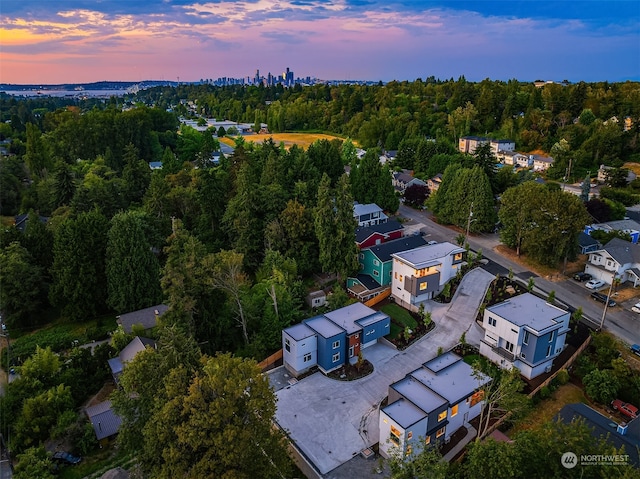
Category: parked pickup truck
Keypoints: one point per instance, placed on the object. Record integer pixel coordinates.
(625, 408)
(635, 349)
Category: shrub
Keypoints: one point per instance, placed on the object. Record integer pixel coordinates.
(601, 385)
(545, 392)
(563, 377)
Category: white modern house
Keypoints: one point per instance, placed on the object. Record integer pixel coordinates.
(524, 332)
(429, 405)
(420, 274)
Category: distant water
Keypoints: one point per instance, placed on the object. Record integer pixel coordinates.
(68, 93)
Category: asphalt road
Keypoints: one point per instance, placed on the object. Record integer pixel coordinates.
(619, 320)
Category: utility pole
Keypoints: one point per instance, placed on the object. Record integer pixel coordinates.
(606, 303)
(469, 220)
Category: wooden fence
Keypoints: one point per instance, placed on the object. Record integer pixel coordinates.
(546, 382)
(269, 363)
(376, 299)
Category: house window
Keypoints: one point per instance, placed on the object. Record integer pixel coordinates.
(375, 273)
(525, 340)
(394, 436)
(376, 262)
(409, 450)
(548, 350)
(335, 358)
(475, 398)
(287, 345)
(423, 286)
(307, 357)
(356, 336)
(361, 255)
(351, 351)
(454, 410)
(400, 278)
(442, 416)
(440, 431)
(409, 434)
(427, 440)
(492, 321)
(336, 344)
(551, 336)
(395, 275)
(524, 356)
(509, 347)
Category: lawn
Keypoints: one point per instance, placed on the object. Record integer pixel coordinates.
(97, 463)
(547, 409)
(303, 140)
(400, 318)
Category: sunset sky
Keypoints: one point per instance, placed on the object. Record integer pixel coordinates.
(59, 41)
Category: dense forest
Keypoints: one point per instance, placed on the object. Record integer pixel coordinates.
(279, 215)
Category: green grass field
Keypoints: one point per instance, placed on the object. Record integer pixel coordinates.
(400, 318)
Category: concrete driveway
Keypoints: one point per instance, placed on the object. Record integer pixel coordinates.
(332, 421)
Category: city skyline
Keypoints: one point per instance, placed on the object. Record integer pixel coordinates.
(78, 41)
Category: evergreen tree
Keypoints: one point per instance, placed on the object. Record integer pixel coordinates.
(133, 272)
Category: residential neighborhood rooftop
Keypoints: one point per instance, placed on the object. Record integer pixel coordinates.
(369, 208)
(384, 251)
(146, 317)
(416, 392)
(104, 420)
(528, 310)
(363, 232)
(428, 255)
(324, 326)
(404, 413)
(300, 331)
(346, 317)
(455, 382)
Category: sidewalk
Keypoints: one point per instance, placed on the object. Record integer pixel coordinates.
(471, 435)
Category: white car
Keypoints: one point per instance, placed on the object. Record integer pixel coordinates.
(636, 308)
(594, 284)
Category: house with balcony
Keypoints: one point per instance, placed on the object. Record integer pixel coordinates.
(468, 144)
(420, 274)
(430, 404)
(617, 259)
(376, 266)
(333, 339)
(369, 214)
(367, 236)
(524, 332)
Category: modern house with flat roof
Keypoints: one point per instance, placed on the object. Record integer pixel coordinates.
(524, 332)
(429, 405)
(332, 339)
(420, 274)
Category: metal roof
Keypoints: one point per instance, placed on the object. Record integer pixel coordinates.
(324, 327)
(104, 420)
(146, 317)
(384, 251)
(419, 394)
(300, 331)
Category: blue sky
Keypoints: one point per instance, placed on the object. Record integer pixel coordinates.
(47, 41)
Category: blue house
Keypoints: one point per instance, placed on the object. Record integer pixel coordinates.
(631, 227)
(524, 332)
(332, 339)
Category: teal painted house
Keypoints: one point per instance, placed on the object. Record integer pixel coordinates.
(376, 265)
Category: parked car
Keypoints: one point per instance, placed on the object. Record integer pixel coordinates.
(602, 298)
(635, 349)
(636, 308)
(594, 284)
(431, 242)
(582, 277)
(63, 457)
(625, 408)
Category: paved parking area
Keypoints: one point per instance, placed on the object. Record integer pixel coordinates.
(332, 421)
